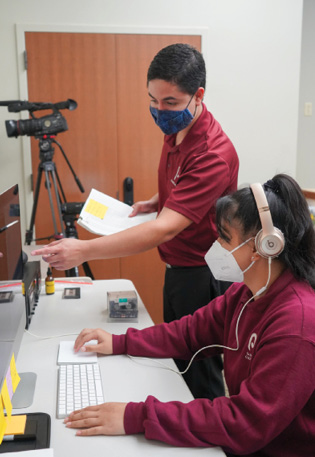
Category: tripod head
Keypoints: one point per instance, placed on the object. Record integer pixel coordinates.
(46, 151)
(70, 212)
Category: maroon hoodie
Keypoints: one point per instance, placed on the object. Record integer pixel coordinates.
(271, 377)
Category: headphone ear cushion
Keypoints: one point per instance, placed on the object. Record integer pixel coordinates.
(270, 245)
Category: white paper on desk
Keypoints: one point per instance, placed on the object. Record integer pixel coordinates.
(36, 453)
(104, 215)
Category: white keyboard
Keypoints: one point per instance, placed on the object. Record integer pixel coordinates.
(78, 386)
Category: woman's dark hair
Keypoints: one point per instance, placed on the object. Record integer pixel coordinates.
(290, 214)
(180, 64)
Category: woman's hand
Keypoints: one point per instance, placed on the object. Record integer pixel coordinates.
(105, 419)
(104, 341)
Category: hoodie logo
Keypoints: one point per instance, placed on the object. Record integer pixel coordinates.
(250, 346)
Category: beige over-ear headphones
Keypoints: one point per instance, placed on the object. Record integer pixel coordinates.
(269, 241)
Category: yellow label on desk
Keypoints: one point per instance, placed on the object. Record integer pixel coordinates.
(6, 400)
(16, 426)
(3, 423)
(14, 374)
(96, 209)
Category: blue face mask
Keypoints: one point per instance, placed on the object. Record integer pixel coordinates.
(171, 122)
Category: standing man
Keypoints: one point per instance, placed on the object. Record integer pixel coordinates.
(198, 165)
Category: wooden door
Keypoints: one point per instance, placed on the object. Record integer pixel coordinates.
(62, 66)
(111, 134)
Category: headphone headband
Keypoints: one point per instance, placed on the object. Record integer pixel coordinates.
(269, 241)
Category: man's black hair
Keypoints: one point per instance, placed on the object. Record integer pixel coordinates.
(180, 64)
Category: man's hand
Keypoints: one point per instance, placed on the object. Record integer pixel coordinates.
(63, 254)
(105, 419)
(104, 339)
(148, 206)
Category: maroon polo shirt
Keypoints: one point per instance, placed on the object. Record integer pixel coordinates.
(192, 176)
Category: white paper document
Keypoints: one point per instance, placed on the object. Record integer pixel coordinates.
(104, 215)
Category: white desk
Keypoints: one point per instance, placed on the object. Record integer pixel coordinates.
(123, 379)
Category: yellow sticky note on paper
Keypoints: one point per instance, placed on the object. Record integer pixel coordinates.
(14, 374)
(96, 209)
(3, 423)
(16, 426)
(6, 400)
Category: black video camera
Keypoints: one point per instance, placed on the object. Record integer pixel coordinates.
(45, 125)
(69, 208)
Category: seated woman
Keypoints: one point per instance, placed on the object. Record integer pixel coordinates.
(264, 325)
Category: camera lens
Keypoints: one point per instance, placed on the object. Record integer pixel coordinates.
(12, 129)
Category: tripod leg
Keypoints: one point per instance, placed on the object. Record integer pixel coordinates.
(60, 186)
(29, 232)
(53, 174)
(87, 270)
(73, 272)
(50, 200)
(71, 232)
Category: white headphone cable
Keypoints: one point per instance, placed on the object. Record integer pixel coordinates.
(49, 337)
(259, 292)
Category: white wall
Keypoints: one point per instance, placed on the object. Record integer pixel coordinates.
(306, 135)
(252, 52)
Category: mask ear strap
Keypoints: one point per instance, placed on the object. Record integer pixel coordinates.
(242, 244)
(244, 271)
(190, 101)
(189, 104)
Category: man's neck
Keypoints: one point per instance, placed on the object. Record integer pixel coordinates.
(181, 135)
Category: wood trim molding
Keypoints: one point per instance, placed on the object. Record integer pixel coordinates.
(309, 193)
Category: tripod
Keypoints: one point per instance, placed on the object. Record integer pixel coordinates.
(71, 232)
(46, 165)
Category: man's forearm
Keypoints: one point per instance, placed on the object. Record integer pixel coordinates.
(139, 238)
(128, 242)
(69, 252)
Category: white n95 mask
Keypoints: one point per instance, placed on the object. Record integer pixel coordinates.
(223, 264)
